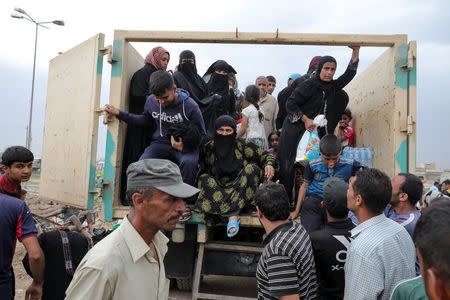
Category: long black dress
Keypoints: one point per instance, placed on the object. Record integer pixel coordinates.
(311, 98)
(186, 77)
(137, 138)
(218, 84)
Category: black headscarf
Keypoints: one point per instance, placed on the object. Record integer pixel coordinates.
(317, 81)
(226, 163)
(218, 83)
(198, 86)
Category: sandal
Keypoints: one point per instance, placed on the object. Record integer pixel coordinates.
(186, 216)
(234, 223)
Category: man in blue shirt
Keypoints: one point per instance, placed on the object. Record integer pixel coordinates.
(16, 223)
(310, 196)
(407, 190)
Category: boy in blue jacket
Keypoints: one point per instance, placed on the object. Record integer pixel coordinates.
(310, 196)
(166, 106)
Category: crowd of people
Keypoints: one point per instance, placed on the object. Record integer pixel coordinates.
(197, 144)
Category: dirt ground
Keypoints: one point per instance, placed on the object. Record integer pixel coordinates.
(40, 207)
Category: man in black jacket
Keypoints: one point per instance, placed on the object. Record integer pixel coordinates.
(330, 243)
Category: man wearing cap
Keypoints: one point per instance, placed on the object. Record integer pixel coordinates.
(330, 243)
(129, 262)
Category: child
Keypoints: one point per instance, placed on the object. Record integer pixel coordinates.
(317, 171)
(252, 118)
(17, 163)
(273, 143)
(346, 133)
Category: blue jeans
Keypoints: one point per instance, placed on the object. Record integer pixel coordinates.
(188, 162)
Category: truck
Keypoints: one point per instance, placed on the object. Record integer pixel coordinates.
(382, 99)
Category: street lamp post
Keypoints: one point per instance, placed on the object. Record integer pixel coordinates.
(21, 14)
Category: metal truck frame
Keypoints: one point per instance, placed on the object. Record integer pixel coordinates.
(382, 99)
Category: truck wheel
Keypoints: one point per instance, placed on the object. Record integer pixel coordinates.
(184, 284)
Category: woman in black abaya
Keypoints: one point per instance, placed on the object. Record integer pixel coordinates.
(217, 80)
(186, 77)
(319, 95)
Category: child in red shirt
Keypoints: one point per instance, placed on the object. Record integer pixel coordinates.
(17, 162)
(346, 133)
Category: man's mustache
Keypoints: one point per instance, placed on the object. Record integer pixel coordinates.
(175, 217)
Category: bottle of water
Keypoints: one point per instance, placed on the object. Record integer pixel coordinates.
(370, 157)
(364, 157)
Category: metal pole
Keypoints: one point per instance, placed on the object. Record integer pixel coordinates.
(28, 143)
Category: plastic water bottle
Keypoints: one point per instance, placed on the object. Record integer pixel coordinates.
(370, 158)
(364, 157)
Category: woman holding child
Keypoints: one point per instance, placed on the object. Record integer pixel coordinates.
(230, 171)
(318, 95)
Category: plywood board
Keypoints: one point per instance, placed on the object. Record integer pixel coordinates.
(71, 124)
(379, 111)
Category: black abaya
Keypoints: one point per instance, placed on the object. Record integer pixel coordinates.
(311, 98)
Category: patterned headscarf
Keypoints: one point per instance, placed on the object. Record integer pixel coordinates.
(154, 57)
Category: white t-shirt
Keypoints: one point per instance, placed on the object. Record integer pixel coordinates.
(255, 128)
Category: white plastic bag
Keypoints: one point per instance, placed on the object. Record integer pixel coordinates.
(308, 147)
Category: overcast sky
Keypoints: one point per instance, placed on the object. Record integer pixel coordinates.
(427, 22)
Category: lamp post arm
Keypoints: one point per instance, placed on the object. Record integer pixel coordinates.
(31, 19)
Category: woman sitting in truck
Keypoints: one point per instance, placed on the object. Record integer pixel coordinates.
(318, 95)
(230, 171)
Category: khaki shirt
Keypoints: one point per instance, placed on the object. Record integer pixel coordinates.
(121, 266)
(269, 106)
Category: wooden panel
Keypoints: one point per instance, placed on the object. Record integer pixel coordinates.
(378, 105)
(71, 124)
(275, 38)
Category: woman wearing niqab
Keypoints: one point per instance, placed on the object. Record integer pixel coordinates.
(138, 138)
(318, 95)
(231, 170)
(187, 78)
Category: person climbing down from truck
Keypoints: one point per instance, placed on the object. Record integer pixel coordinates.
(216, 78)
(310, 196)
(179, 125)
(319, 95)
(186, 77)
(252, 125)
(138, 138)
(231, 170)
(287, 91)
(17, 162)
(346, 134)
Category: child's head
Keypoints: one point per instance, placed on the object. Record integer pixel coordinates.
(252, 97)
(330, 149)
(346, 118)
(252, 94)
(335, 197)
(273, 140)
(17, 162)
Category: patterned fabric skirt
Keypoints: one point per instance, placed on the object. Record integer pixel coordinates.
(228, 197)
